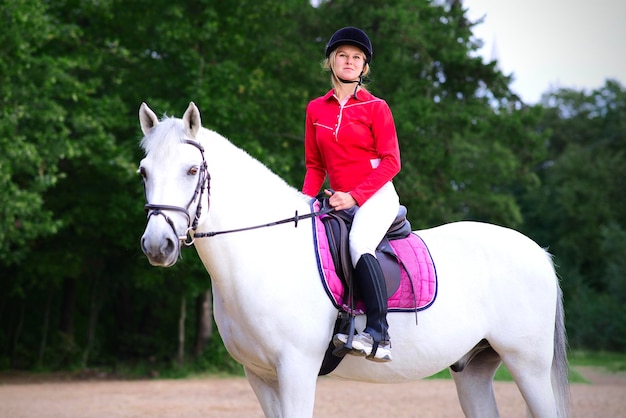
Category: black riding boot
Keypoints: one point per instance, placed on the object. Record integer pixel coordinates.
(370, 283)
(373, 342)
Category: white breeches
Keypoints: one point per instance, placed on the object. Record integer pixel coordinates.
(372, 221)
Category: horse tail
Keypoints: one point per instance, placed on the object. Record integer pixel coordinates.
(560, 364)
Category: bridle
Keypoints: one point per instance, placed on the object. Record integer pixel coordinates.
(202, 186)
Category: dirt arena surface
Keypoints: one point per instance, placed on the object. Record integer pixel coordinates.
(30, 397)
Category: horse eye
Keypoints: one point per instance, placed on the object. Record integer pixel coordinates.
(142, 172)
(193, 171)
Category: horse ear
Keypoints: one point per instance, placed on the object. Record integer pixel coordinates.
(147, 118)
(192, 121)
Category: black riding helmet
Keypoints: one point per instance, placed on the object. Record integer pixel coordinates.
(350, 36)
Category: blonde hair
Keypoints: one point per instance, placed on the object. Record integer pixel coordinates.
(327, 65)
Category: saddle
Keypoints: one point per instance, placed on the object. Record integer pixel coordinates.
(337, 225)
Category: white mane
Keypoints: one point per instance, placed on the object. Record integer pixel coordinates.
(238, 177)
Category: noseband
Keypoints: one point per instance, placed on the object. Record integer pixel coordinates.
(203, 185)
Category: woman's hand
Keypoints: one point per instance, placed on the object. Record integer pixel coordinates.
(340, 200)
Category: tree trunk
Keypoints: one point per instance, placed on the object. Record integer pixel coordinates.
(18, 332)
(66, 326)
(3, 302)
(94, 310)
(67, 308)
(204, 321)
(181, 330)
(44, 332)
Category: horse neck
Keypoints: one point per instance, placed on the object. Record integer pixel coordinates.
(244, 193)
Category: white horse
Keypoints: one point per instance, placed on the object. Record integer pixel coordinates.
(498, 299)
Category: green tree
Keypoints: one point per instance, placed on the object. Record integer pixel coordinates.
(62, 168)
(33, 134)
(579, 213)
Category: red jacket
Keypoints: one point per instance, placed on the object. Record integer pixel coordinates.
(355, 145)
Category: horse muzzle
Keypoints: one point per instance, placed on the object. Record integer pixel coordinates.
(160, 244)
(163, 253)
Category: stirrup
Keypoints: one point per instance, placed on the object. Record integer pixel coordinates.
(346, 348)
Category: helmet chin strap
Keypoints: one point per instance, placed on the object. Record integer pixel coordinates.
(359, 82)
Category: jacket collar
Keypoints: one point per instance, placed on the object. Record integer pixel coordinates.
(361, 95)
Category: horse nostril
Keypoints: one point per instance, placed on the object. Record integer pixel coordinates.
(168, 247)
(143, 245)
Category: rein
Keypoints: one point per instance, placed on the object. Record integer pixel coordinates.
(293, 219)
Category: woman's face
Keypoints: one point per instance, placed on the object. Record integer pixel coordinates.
(349, 62)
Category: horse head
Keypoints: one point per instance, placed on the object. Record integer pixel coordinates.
(176, 182)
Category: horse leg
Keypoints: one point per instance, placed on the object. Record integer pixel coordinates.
(266, 392)
(541, 373)
(474, 385)
(290, 395)
(533, 378)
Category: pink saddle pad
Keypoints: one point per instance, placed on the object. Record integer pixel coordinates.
(418, 281)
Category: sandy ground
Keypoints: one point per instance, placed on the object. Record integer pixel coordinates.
(28, 397)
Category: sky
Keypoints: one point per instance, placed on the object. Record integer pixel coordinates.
(549, 44)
